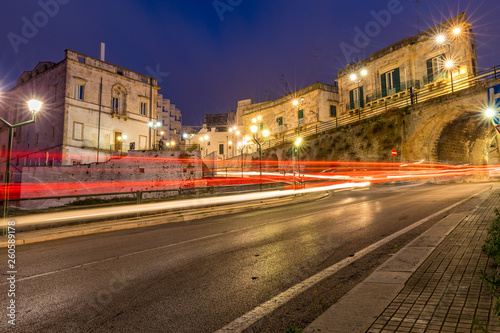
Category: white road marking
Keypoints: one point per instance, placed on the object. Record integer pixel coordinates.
(263, 310)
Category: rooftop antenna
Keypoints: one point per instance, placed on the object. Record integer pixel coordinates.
(267, 95)
(284, 84)
(418, 17)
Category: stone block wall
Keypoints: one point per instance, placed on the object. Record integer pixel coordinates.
(139, 171)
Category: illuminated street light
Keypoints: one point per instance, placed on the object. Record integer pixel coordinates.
(188, 137)
(235, 132)
(298, 103)
(357, 79)
(297, 143)
(265, 133)
(242, 145)
(449, 65)
(121, 139)
(204, 139)
(154, 127)
(457, 31)
(490, 113)
(34, 106)
(440, 39)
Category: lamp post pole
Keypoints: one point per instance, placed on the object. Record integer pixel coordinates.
(154, 126)
(354, 77)
(235, 132)
(265, 134)
(34, 107)
(441, 39)
(243, 144)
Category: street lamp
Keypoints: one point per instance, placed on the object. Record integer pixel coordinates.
(235, 132)
(188, 137)
(296, 148)
(242, 145)
(449, 64)
(357, 79)
(154, 126)
(265, 134)
(441, 39)
(204, 139)
(492, 113)
(298, 104)
(121, 140)
(34, 106)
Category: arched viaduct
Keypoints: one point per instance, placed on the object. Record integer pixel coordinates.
(445, 129)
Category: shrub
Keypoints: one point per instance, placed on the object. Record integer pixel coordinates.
(492, 248)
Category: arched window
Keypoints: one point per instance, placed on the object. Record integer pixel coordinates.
(118, 99)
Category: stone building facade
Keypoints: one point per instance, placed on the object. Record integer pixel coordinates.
(316, 103)
(441, 56)
(217, 143)
(88, 103)
(171, 119)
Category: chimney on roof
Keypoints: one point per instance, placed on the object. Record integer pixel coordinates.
(102, 51)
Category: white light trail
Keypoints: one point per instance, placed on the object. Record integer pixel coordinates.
(107, 212)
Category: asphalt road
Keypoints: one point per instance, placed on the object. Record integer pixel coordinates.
(200, 275)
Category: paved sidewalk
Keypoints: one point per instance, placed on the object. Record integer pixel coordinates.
(431, 285)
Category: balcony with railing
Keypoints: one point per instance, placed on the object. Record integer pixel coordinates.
(278, 129)
(436, 78)
(400, 90)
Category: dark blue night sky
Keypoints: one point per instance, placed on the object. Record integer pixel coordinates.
(257, 50)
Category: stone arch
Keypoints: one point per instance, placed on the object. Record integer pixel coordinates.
(466, 139)
(432, 129)
(272, 162)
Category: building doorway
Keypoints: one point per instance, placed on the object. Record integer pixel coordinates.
(118, 141)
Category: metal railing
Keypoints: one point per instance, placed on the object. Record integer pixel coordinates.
(181, 146)
(435, 77)
(403, 86)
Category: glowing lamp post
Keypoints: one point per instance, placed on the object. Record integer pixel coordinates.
(450, 65)
(188, 137)
(154, 126)
(492, 113)
(203, 140)
(34, 106)
(443, 40)
(298, 103)
(297, 148)
(265, 134)
(357, 79)
(235, 132)
(121, 140)
(242, 145)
